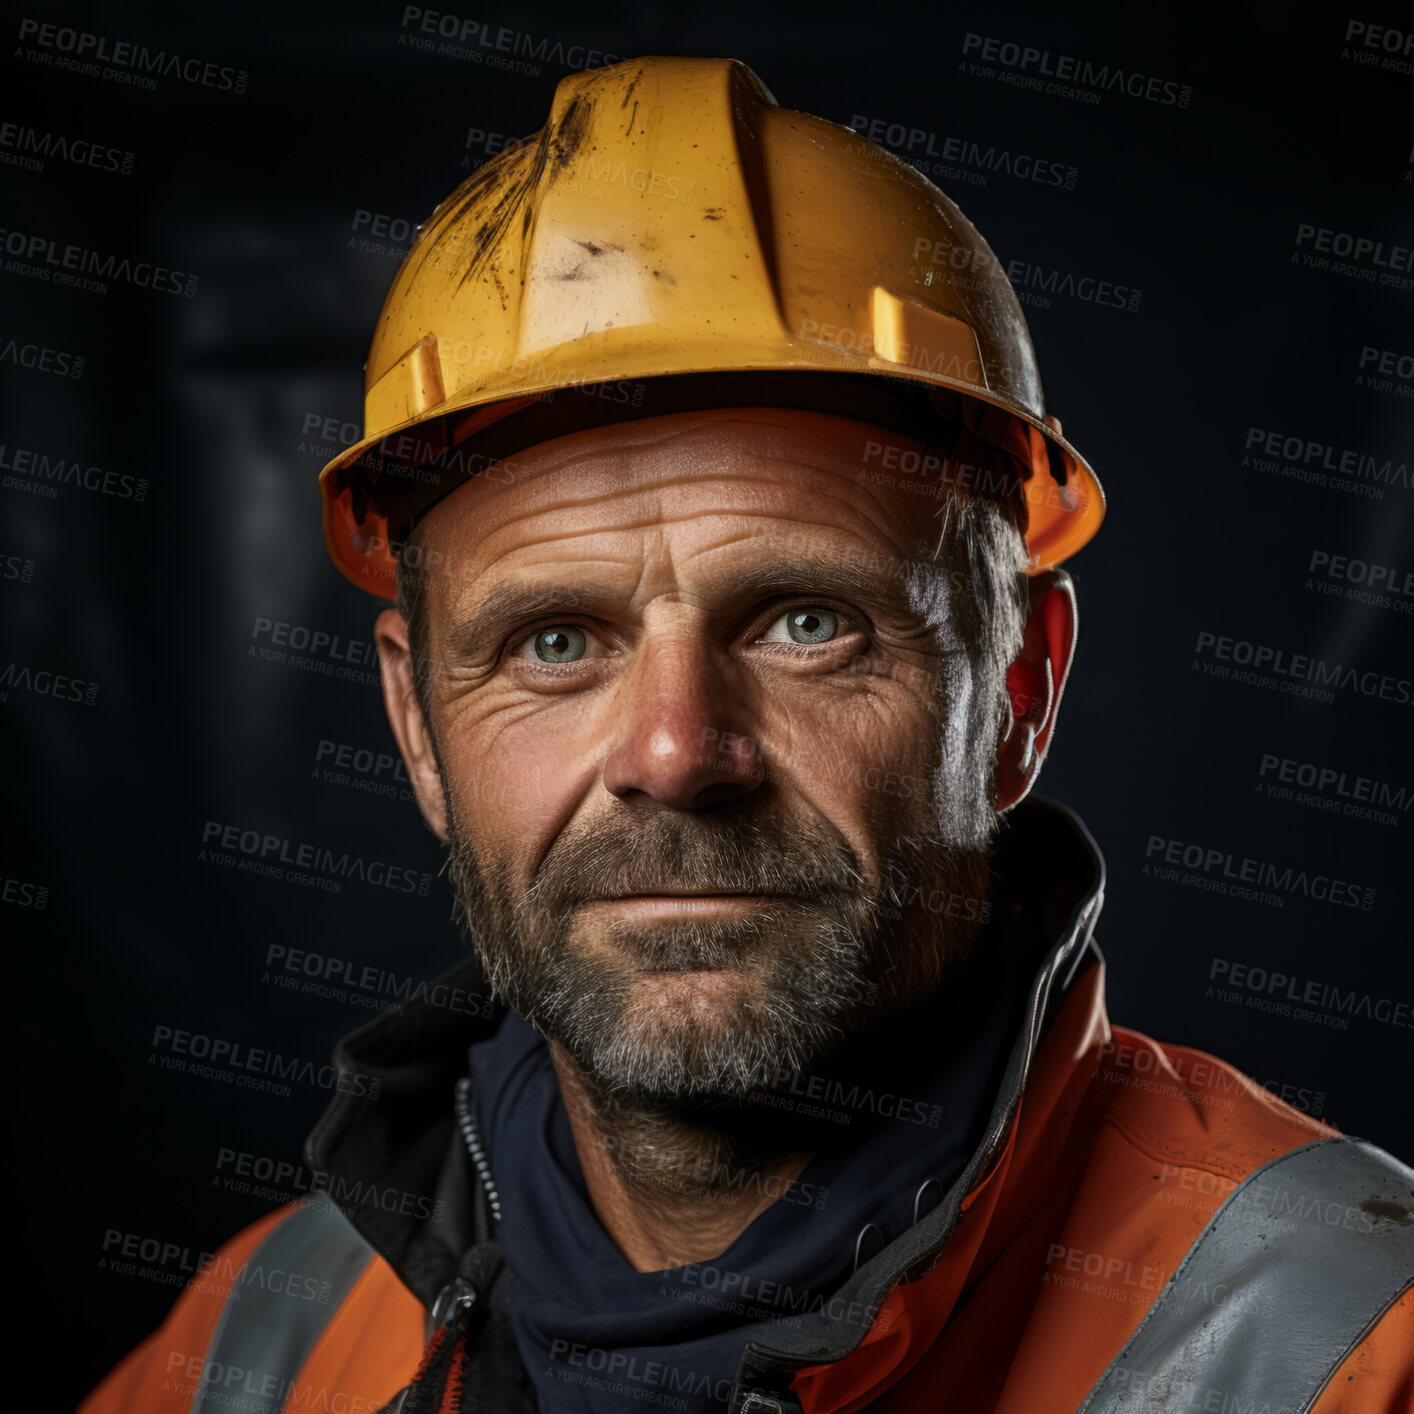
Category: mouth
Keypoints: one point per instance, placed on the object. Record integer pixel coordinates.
(682, 904)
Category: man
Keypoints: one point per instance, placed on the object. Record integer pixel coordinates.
(708, 465)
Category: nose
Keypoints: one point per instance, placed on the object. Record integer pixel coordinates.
(684, 738)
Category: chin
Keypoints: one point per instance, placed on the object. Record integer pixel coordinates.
(696, 1037)
(698, 996)
(685, 1016)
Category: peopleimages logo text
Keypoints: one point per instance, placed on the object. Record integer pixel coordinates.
(1302, 667)
(1309, 992)
(1224, 866)
(44, 254)
(1107, 78)
(274, 850)
(256, 1060)
(99, 49)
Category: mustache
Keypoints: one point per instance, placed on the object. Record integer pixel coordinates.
(633, 853)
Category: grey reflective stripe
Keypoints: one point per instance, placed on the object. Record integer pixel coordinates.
(278, 1306)
(1294, 1268)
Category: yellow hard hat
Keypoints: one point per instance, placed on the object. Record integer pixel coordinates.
(673, 239)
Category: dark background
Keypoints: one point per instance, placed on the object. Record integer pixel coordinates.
(158, 600)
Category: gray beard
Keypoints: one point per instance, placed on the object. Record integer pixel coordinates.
(830, 955)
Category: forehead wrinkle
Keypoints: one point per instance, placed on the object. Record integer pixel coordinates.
(836, 497)
(793, 565)
(637, 451)
(594, 493)
(597, 497)
(774, 426)
(849, 436)
(658, 522)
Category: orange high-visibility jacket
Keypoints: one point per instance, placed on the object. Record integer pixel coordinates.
(1142, 1228)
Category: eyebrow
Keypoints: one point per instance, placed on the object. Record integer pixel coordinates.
(786, 575)
(509, 604)
(503, 606)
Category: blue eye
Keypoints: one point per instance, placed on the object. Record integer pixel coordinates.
(809, 625)
(561, 644)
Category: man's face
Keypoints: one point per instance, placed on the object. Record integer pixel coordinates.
(700, 720)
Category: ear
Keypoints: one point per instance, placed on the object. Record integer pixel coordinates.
(1035, 682)
(405, 717)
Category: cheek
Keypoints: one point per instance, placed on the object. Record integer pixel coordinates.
(859, 757)
(515, 778)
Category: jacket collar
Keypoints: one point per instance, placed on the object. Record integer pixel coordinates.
(395, 1165)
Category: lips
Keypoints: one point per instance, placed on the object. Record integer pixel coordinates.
(683, 894)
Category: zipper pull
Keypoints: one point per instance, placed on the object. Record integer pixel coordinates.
(454, 1303)
(439, 1383)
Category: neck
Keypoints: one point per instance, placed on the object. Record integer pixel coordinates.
(673, 1186)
